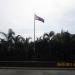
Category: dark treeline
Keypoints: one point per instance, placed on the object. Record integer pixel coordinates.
(49, 47)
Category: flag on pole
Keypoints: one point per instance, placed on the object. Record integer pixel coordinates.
(38, 18)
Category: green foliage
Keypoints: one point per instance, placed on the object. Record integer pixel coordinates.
(52, 47)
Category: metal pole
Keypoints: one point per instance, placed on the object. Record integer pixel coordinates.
(34, 34)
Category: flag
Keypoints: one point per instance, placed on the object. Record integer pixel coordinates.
(38, 18)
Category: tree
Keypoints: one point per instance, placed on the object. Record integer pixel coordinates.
(51, 34)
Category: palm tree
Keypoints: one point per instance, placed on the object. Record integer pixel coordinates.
(27, 46)
(5, 35)
(19, 39)
(9, 38)
(10, 34)
(46, 36)
(51, 34)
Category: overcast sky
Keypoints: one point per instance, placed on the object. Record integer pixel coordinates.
(19, 15)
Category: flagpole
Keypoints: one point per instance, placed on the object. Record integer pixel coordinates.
(40, 19)
(34, 34)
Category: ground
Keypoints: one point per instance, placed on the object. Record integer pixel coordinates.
(19, 71)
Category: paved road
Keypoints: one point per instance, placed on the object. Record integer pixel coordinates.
(33, 71)
(22, 71)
